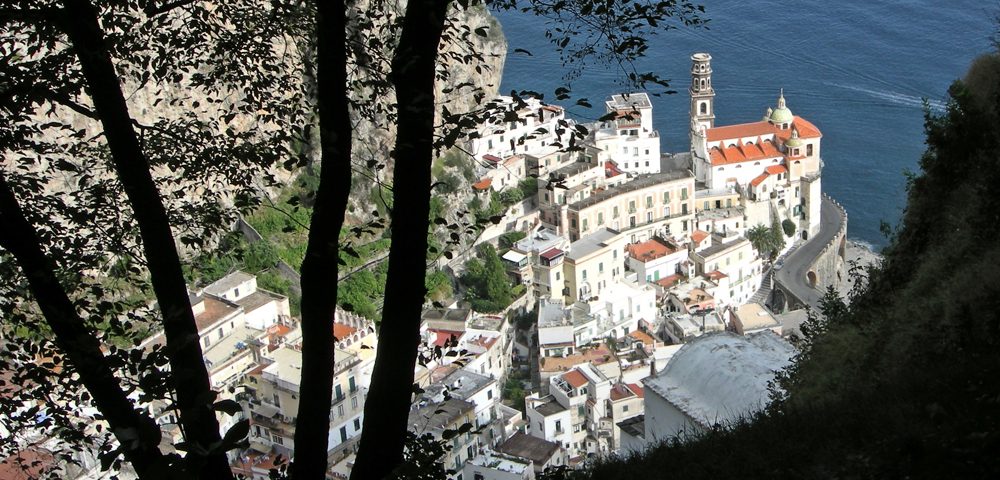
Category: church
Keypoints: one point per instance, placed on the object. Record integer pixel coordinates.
(774, 163)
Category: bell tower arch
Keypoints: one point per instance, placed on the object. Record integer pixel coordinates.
(701, 91)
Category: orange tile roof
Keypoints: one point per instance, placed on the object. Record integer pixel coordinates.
(215, 310)
(650, 250)
(776, 169)
(491, 158)
(760, 179)
(755, 129)
(744, 152)
(698, 235)
(670, 281)
(715, 275)
(443, 336)
(483, 184)
(341, 331)
(742, 130)
(637, 389)
(575, 378)
(642, 337)
(621, 391)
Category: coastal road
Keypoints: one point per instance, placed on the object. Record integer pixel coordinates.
(792, 275)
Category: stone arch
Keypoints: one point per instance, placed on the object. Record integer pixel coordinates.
(811, 277)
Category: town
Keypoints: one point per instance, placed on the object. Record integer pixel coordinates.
(655, 295)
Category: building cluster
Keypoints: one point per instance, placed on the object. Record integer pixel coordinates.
(650, 319)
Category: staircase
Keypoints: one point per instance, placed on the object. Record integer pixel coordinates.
(763, 294)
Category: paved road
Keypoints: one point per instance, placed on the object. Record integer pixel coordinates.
(792, 274)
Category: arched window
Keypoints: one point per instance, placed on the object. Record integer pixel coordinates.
(756, 164)
(704, 108)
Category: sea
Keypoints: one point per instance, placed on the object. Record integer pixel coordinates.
(863, 71)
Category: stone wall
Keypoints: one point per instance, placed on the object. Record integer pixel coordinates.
(829, 268)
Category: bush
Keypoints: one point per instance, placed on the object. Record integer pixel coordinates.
(489, 286)
(789, 227)
(507, 240)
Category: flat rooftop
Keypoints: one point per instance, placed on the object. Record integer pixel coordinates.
(641, 182)
(228, 282)
(629, 100)
(721, 247)
(538, 450)
(591, 243)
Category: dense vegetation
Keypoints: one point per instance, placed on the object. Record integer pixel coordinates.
(489, 288)
(902, 381)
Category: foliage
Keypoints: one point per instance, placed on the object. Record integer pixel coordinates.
(489, 288)
(767, 241)
(788, 226)
(438, 286)
(507, 240)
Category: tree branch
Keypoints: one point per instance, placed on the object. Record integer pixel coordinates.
(23, 15)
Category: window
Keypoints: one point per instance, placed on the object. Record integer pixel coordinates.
(357, 424)
(558, 425)
(207, 341)
(631, 206)
(572, 222)
(489, 144)
(489, 394)
(354, 402)
(584, 275)
(614, 254)
(343, 434)
(704, 106)
(647, 153)
(557, 275)
(600, 218)
(338, 392)
(352, 385)
(340, 410)
(666, 212)
(706, 205)
(649, 202)
(277, 399)
(684, 225)
(600, 267)
(277, 439)
(647, 163)
(624, 408)
(649, 216)
(684, 193)
(585, 224)
(635, 151)
(684, 209)
(220, 334)
(809, 150)
(614, 212)
(236, 292)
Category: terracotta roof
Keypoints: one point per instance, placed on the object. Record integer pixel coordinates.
(760, 179)
(698, 235)
(742, 130)
(650, 250)
(744, 152)
(776, 169)
(28, 463)
(482, 184)
(637, 389)
(620, 391)
(670, 281)
(755, 129)
(215, 310)
(491, 158)
(551, 253)
(611, 169)
(575, 378)
(341, 331)
(445, 335)
(483, 341)
(643, 337)
(715, 275)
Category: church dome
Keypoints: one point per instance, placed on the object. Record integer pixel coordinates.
(795, 141)
(782, 114)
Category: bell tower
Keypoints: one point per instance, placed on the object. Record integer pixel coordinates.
(702, 93)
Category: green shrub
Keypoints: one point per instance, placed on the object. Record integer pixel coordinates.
(788, 226)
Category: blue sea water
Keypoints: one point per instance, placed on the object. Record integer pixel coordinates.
(858, 69)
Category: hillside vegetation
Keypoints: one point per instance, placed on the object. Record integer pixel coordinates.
(905, 380)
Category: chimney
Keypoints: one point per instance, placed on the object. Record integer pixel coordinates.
(652, 367)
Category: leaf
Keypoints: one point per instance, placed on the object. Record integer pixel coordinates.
(227, 406)
(481, 31)
(235, 434)
(521, 50)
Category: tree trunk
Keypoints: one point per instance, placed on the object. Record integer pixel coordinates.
(187, 367)
(388, 404)
(319, 268)
(78, 343)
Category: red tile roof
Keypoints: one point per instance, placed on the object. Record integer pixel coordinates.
(637, 389)
(670, 281)
(698, 235)
(755, 129)
(575, 378)
(611, 169)
(715, 275)
(482, 184)
(776, 169)
(551, 253)
(443, 336)
(491, 158)
(620, 391)
(650, 250)
(341, 331)
(744, 153)
(760, 179)
(643, 337)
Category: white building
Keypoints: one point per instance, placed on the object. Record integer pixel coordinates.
(534, 129)
(629, 139)
(655, 259)
(713, 380)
